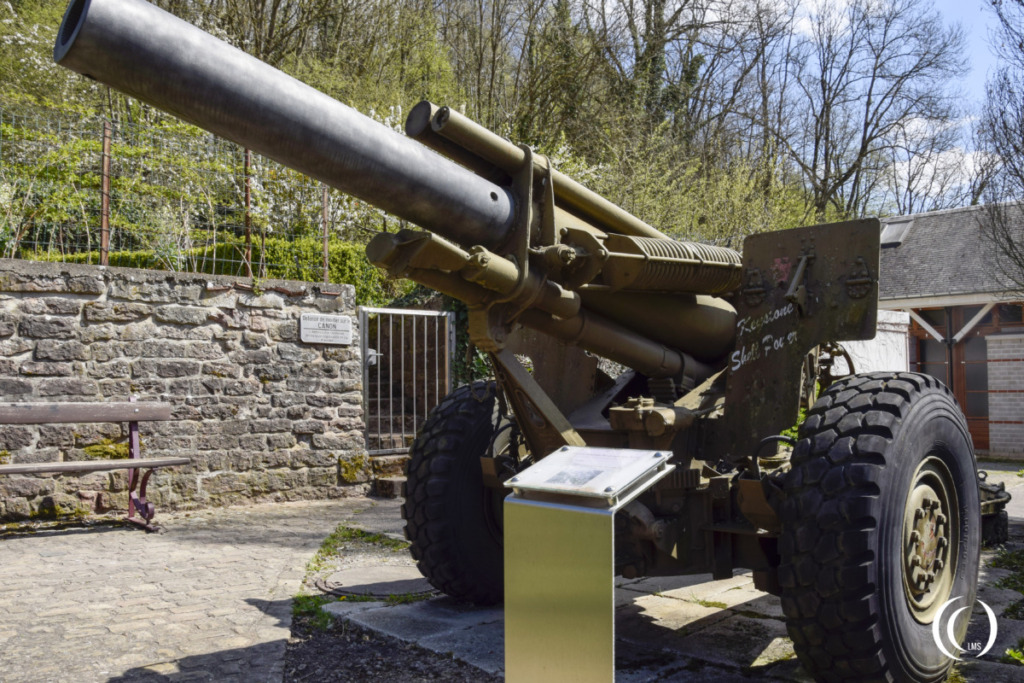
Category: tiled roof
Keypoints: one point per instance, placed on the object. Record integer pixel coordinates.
(943, 253)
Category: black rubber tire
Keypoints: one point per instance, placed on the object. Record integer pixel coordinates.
(450, 517)
(863, 446)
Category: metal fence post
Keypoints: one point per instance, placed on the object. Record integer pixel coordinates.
(323, 220)
(105, 197)
(248, 212)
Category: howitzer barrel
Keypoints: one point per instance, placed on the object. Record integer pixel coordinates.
(141, 50)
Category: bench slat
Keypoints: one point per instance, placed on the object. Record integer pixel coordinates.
(47, 413)
(91, 465)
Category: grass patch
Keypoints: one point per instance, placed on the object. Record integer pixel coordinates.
(1014, 561)
(344, 535)
(310, 607)
(1014, 655)
(712, 603)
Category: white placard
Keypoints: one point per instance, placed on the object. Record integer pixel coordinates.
(325, 329)
(589, 471)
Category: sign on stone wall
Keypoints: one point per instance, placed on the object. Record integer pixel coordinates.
(325, 329)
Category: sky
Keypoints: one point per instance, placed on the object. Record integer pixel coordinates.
(976, 22)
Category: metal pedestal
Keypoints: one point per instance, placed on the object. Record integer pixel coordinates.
(560, 562)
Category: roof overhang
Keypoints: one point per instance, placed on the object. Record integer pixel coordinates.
(979, 299)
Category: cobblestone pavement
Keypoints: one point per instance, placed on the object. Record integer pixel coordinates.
(207, 599)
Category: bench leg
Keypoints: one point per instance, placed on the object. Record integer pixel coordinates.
(137, 501)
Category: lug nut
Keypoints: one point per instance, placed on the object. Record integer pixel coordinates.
(941, 542)
(915, 536)
(918, 513)
(939, 564)
(915, 561)
(940, 519)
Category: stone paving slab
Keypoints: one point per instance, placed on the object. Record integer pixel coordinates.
(207, 599)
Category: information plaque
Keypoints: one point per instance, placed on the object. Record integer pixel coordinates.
(315, 328)
(610, 474)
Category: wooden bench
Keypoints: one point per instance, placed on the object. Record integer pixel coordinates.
(130, 412)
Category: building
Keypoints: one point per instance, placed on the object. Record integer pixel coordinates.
(966, 321)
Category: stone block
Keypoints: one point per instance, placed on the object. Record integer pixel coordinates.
(319, 370)
(283, 479)
(99, 312)
(280, 441)
(14, 347)
(296, 413)
(17, 486)
(254, 340)
(258, 357)
(286, 331)
(7, 326)
(222, 370)
(308, 427)
(178, 368)
(14, 387)
(204, 351)
(47, 349)
(18, 282)
(295, 353)
(141, 332)
(216, 442)
(271, 373)
(284, 400)
(110, 370)
(183, 315)
(218, 412)
(13, 437)
(270, 426)
(47, 327)
(253, 442)
(62, 306)
(115, 388)
(85, 284)
(241, 388)
(267, 301)
(341, 442)
(222, 482)
(307, 386)
(95, 333)
(67, 386)
(341, 354)
(34, 369)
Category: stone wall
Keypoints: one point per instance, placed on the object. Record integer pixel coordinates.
(1006, 394)
(262, 415)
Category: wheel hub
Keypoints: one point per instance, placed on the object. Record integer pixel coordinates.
(927, 574)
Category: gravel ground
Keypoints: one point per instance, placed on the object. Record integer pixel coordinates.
(335, 652)
(344, 653)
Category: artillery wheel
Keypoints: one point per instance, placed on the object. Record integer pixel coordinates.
(451, 519)
(881, 526)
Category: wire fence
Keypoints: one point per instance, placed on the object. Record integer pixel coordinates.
(166, 196)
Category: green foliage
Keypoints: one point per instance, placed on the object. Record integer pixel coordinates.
(1014, 561)
(1014, 655)
(311, 606)
(342, 536)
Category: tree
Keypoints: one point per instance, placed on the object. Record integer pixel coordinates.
(1001, 132)
(863, 73)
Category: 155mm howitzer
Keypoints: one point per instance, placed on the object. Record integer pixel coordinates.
(865, 530)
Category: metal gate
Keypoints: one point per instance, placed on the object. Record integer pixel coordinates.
(406, 372)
